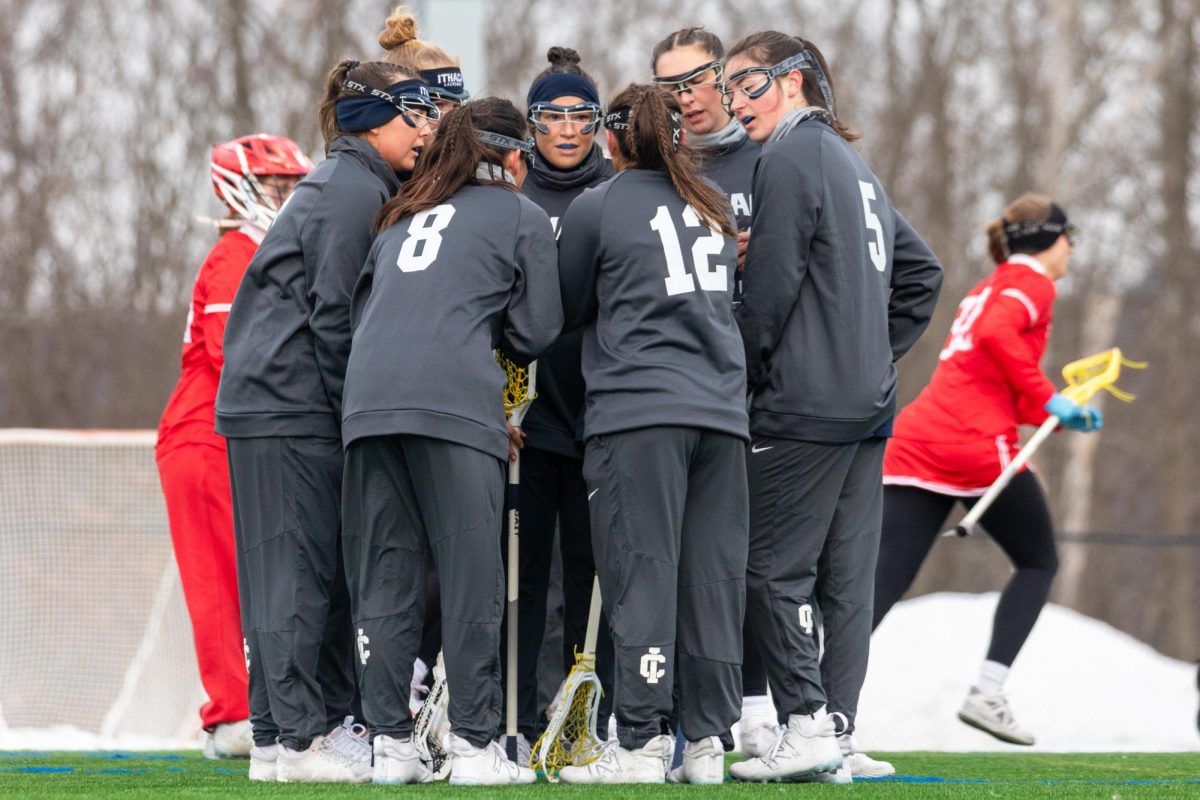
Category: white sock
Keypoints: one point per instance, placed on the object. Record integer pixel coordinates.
(757, 706)
(991, 678)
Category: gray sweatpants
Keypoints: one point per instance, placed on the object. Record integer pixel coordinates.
(404, 495)
(815, 516)
(669, 513)
(291, 585)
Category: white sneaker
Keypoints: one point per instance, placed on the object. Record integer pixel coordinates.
(991, 714)
(483, 766)
(807, 746)
(524, 749)
(703, 762)
(862, 765)
(262, 763)
(397, 761)
(229, 740)
(756, 736)
(329, 759)
(647, 764)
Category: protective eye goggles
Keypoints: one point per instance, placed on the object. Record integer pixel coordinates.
(509, 143)
(410, 98)
(704, 75)
(754, 82)
(585, 116)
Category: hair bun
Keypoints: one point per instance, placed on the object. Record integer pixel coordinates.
(561, 56)
(401, 29)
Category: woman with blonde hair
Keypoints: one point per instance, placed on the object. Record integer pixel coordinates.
(441, 73)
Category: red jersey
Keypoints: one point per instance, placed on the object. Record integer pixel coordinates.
(189, 415)
(961, 431)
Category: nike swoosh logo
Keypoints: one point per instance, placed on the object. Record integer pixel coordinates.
(760, 449)
(591, 493)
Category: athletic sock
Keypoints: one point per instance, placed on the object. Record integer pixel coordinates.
(757, 706)
(991, 678)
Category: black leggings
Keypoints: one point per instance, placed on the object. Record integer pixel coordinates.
(1019, 521)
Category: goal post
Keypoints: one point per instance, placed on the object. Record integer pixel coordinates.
(95, 642)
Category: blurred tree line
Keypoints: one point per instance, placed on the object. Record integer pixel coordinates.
(110, 108)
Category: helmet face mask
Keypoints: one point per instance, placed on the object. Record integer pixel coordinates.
(236, 167)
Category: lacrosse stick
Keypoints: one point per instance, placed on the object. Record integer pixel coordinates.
(430, 725)
(1084, 378)
(518, 394)
(570, 738)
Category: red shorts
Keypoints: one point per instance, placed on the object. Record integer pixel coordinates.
(960, 469)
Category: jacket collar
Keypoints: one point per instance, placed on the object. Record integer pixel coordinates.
(365, 152)
(1029, 261)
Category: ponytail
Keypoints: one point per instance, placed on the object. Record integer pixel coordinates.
(651, 140)
(375, 74)
(1028, 207)
(450, 162)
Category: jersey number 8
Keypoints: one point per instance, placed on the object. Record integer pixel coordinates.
(712, 278)
(424, 240)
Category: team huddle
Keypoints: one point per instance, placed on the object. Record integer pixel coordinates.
(715, 310)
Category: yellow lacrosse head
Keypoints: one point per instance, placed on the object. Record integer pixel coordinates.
(1089, 375)
(519, 391)
(570, 738)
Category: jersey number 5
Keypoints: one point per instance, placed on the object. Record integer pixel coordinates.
(712, 278)
(874, 226)
(424, 238)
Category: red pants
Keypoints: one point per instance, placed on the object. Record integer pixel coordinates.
(195, 481)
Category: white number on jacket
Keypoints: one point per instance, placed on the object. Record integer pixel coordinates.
(425, 234)
(712, 277)
(960, 331)
(875, 248)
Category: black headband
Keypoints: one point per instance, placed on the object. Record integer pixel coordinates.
(1036, 235)
(446, 82)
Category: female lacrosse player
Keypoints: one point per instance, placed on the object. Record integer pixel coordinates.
(828, 251)
(646, 261)
(564, 109)
(688, 64)
(960, 433)
(442, 75)
(463, 264)
(279, 405)
(253, 176)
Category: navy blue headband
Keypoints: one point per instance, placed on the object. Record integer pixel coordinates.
(446, 82)
(370, 108)
(562, 84)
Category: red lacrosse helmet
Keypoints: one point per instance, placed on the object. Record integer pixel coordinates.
(236, 166)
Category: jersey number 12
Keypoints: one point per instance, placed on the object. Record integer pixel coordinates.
(712, 278)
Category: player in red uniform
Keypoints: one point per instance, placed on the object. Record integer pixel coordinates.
(954, 440)
(253, 176)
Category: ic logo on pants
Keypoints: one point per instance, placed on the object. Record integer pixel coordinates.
(650, 665)
(806, 620)
(363, 652)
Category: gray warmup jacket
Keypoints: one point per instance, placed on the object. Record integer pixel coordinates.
(650, 356)
(553, 423)
(440, 290)
(288, 334)
(838, 287)
(731, 167)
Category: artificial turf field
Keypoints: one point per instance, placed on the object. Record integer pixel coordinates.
(1115, 776)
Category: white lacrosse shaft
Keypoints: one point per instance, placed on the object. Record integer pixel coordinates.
(966, 525)
(593, 625)
(514, 593)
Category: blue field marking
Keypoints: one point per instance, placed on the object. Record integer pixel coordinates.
(23, 753)
(123, 755)
(37, 769)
